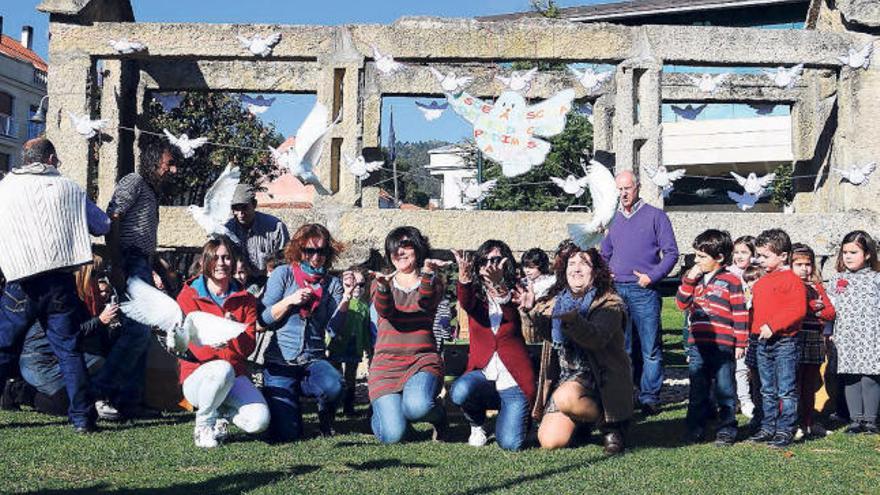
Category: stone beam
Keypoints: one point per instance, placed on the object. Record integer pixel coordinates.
(739, 88)
(232, 75)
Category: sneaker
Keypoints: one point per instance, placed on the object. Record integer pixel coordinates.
(854, 428)
(748, 410)
(221, 430)
(763, 436)
(478, 437)
(107, 411)
(724, 440)
(799, 435)
(87, 428)
(780, 441)
(613, 443)
(203, 437)
(870, 428)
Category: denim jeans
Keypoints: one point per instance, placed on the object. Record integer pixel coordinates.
(643, 306)
(51, 299)
(121, 378)
(138, 265)
(705, 364)
(777, 365)
(284, 384)
(417, 402)
(475, 394)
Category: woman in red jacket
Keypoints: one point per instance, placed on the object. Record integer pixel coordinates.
(499, 372)
(215, 378)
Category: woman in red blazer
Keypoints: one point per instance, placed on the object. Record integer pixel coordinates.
(499, 373)
(214, 378)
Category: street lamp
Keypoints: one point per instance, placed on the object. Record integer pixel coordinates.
(40, 116)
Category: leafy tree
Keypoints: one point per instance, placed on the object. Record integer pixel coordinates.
(783, 186)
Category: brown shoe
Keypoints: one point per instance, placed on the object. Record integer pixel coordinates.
(613, 442)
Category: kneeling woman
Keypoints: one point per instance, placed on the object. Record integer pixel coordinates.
(499, 374)
(587, 325)
(215, 379)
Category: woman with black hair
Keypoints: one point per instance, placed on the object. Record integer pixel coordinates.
(499, 374)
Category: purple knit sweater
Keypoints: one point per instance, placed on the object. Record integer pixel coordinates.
(635, 243)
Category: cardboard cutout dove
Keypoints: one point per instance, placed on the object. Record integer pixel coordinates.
(603, 191)
(302, 158)
(385, 63)
(518, 81)
(663, 178)
(186, 145)
(708, 83)
(450, 82)
(688, 112)
(858, 59)
(475, 192)
(785, 78)
(259, 45)
(85, 126)
(753, 184)
(257, 105)
(432, 110)
(857, 175)
(571, 185)
(360, 167)
(591, 80)
(744, 201)
(126, 47)
(218, 204)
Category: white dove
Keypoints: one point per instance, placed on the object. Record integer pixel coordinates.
(708, 83)
(449, 81)
(603, 192)
(302, 158)
(571, 185)
(218, 204)
(753, 184)
(785, 78)
(518, 81)
(663, 178)
(858, 59)
(152, 307)
(257, 105)
(590, 79)
(432, 110)
(360, 167)
(125, 47)
(186, 145)
(744, 201)
(85, 126)
(857, 175)
(385, 63)
(475, 192)
(688, 112)
(259, 45)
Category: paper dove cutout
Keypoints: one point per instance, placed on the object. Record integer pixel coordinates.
(507, 131)
(591, 80)
(256, 105)
(449, 81)
(785, 78)
(258, 45)
(186, 145)
(663, 178)
(85, 126)
(571, 185)
(169, 101)
(858, 59)
(763, 108)
(518, 81)
(302, 158)
(708, 83)
(474, 192)
(432, 110)
(744, 201)
(218, 204)
(361, 168)
(753, 184)
(603, 191)
(688, 112)
(151, 307)
(125, 47)
(857, 175)
(385, 63)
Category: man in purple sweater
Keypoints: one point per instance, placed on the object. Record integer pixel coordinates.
(638, 235)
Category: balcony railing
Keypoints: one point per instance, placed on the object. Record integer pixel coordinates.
(40, 77)
(7, 126)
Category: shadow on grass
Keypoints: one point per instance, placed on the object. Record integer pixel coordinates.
(33, 424)
(385, 464)
(517, 481)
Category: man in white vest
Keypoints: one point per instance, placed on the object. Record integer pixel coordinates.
(44, 237)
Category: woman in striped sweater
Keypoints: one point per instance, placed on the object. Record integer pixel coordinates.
(406, 372)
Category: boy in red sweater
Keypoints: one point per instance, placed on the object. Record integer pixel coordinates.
(718, 334)
(779, 307)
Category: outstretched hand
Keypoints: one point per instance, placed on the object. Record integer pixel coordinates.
(431, 265)
(383, 279)
(524, 297)
(464, 262)
(495, 272)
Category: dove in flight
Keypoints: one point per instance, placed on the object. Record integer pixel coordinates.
(785, 78)
(571, 185)
(475, 192)
(603, 191)
(126, 47)
(707, 83)
(256, 105)
(186, 145)
(450, 82)
(432, 110)
(85, 126)
(591, 80)
(858, 59)
(519, 81)
(688, 112)
(259, 45)
(857, 175)
(385, 62)
(303, 156)
(217, 207)
(663, 178)
(753, 184)
(360, 167)
(744, 201)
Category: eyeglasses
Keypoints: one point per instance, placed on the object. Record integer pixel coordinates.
(494, 260)
(310, 251)
(406, 244)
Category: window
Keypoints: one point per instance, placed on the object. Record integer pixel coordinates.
(34, 128)
(4, 163)
(6, 123)
(6, 104)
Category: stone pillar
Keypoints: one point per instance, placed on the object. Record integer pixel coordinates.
(68, 88)
(118, 106)
(603, 123)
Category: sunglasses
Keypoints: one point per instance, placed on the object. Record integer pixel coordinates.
(494, 260)
(310, 251)
(406, 244)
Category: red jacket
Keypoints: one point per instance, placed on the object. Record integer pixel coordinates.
(508, 342)
(779, 299)
(243, 308)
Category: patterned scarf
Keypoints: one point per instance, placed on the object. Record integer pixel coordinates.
(566, 303)
(306, 276)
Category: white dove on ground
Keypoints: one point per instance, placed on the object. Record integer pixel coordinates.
(519, 81)
(186, 145)
(785, 78)
(753, 184)
(591, 80)
(857, 175)
(744, 201)
(858, 59)
(85, 126)
(449, 81)
(169, 101)
(475, 192)
(432, 110)
(707, 83)
(385, 63)
(360, 167)
(256, 105)
(259, 45)
(603, 191)
(152, 307)
(688, 112)
(125, 47)
(663, 178)
(218, 204)
(303, 156)
(571, 185)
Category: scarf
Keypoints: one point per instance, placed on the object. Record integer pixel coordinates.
(306, 276)
(566, 303)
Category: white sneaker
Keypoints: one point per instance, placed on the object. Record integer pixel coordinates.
(221, 430)
(748, 410)
(106, 411)
(478, 437)
(799, 435)
(203, 436)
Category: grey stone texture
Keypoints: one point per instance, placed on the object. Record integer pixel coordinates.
(862, 13)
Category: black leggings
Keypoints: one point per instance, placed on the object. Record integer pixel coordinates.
(862, 396)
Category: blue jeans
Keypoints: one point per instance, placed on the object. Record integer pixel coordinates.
(284, 384)
(138, 265)
(643, 306)
(51, 299)
(121, 378)
(777, 365)
(417, 402)
(475, 394)
(705, 364)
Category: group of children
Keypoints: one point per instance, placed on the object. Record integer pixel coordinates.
(760, 326)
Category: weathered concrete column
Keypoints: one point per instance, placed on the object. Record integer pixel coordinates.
(119, 106)
(68, 87)
(603, 123)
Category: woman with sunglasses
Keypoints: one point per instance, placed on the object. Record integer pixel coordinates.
(499, 373)
(406, 372)
(303, 303)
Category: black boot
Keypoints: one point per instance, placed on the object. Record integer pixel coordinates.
(325, 421)
(348, 403)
